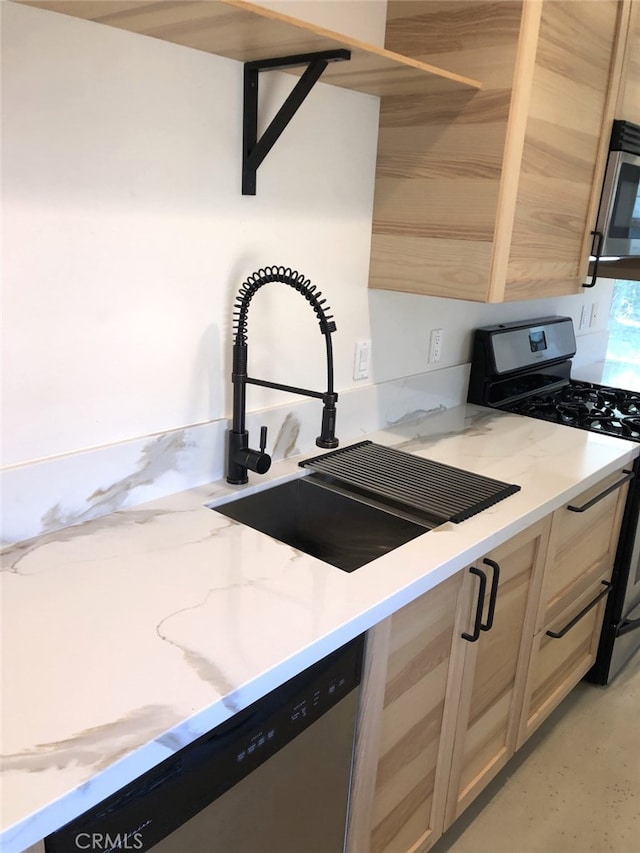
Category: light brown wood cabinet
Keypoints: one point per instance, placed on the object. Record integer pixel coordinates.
(579, 563)
(628, 109)
(628, 100)
(582, 545)
(403, 744)
(559, 662)
(492, 197)
(494, 668)
(442, 712)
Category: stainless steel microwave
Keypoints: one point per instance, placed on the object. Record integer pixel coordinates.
(618, 226)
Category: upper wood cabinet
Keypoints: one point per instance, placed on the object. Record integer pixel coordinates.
(492, 196)
(628, 100)
(628, 109)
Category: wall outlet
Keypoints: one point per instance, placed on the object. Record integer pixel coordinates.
(435, 346)
(361, 360)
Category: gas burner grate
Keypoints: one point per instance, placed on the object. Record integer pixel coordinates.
(631, 427)
(585, 405)
(631, 406)
(410, 483)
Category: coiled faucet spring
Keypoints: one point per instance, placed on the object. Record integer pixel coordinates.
(241, 458)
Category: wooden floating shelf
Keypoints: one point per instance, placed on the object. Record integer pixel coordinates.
(243, 31)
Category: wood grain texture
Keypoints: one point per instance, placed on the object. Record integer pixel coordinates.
(433, 227)
(550, 70)
(411, 759)
(413, 264)
(438, 151)
(514, 143)
(620, 65)
(561, 157)
(367, 741)
(471, 222)
(628, 102)
(557, 665)
(582, 547)
(246, 32)
(495, 670)
(580, 556)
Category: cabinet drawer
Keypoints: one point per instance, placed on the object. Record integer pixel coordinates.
(582, 546)
(558, 662)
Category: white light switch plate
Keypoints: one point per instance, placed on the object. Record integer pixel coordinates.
(435, 346)
(361, 360)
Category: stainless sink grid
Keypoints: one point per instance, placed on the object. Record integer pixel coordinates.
(434, 490)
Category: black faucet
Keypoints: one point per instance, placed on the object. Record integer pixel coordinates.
(241, 458)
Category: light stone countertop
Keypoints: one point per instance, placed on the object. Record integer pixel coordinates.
(128, 637)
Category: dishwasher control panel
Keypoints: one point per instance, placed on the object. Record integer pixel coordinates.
(325, 691)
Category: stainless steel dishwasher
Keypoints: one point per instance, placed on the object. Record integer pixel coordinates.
(273, 779)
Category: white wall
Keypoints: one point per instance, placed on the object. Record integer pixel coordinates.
(401, 325)
(126, 237)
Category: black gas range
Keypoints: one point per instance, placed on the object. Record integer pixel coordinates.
(525, 368)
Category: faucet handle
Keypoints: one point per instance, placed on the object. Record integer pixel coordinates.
(258, 460)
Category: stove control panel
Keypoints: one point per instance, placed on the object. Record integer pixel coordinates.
(508, 347)
(527, 346)
(513, 360)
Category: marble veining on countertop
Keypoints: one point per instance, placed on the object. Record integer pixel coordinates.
(129, 636)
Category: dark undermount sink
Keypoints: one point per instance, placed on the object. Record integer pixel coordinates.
(335, 527)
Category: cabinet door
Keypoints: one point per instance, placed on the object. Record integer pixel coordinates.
(568, 123)
(584, 538)
(494, 668)
(439, 164)
(628, 104)
(562, 654)
(492, 197)
(400, 752)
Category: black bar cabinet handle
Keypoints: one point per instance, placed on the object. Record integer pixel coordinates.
(558, 635)
(495, 580)
(597, 255)
(629, 475)
(477, 622)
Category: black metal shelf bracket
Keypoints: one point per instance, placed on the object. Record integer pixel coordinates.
(254, 150)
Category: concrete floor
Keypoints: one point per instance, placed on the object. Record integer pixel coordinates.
(573, 788)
